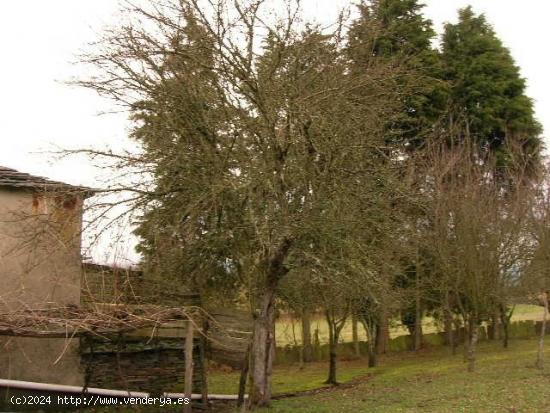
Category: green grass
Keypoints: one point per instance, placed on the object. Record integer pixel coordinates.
(290, 378)
(288, 330)
(434, 381)
(527, 312)
(431, 381)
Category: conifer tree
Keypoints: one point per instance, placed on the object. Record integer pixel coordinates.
(397, 29)
(488, 104)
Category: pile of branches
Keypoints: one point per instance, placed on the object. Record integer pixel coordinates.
(73, 321)
(105, 320)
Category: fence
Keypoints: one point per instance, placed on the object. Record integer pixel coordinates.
(291, 354)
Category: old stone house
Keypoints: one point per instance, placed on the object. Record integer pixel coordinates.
(40, 267)
(40, 226)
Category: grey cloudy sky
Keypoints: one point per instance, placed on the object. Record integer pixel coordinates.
(39, 39)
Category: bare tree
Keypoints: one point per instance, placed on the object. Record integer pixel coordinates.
(250, 125)
(535, 283)
(480, 252)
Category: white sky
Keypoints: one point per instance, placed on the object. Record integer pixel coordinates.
(39, 39)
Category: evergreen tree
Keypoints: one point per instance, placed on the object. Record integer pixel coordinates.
(488, 104)
(405, 31)
(397, 29)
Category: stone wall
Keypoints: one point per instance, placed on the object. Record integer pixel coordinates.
(131, 363)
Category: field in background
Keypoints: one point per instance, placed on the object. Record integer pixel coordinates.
(289, 330)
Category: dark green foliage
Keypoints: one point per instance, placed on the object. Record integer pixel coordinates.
(246, 157)
(404, 30)
(397, 29)
(175, 128)
(488, 103)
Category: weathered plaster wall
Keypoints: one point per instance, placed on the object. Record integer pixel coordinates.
(39, 249)
(39, 268)
(47, 360)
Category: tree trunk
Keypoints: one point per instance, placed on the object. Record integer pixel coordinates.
(263, 337)
(493, 330)
(540, 354)
(449, 329)
(505, 321)
(373, 358)
(332, 342)
(417, 338)
(472, 343)
(297, 345)
(332, 362)
(355, 335)
(459, 334)
(382, 334)
(262, 352)
(451, 338)
(370, 332)
(203, 361)
(505, 335)
(315, 345)
(307, 351)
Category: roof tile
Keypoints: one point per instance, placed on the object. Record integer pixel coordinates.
(15, 179)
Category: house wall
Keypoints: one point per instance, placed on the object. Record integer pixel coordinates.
(43, 360)
(39, 249)
(39, 267)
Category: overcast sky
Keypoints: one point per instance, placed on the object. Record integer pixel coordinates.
(39, 40)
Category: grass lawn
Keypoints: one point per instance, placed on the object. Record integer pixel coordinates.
(290, 378)
(434, 381)
(428, 381)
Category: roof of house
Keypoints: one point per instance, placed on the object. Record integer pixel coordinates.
(15, 179)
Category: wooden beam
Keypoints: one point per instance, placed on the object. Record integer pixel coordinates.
(188, 384)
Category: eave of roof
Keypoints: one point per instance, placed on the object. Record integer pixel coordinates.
(14, 179)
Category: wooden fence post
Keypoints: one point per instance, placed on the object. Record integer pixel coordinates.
(188, 384)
